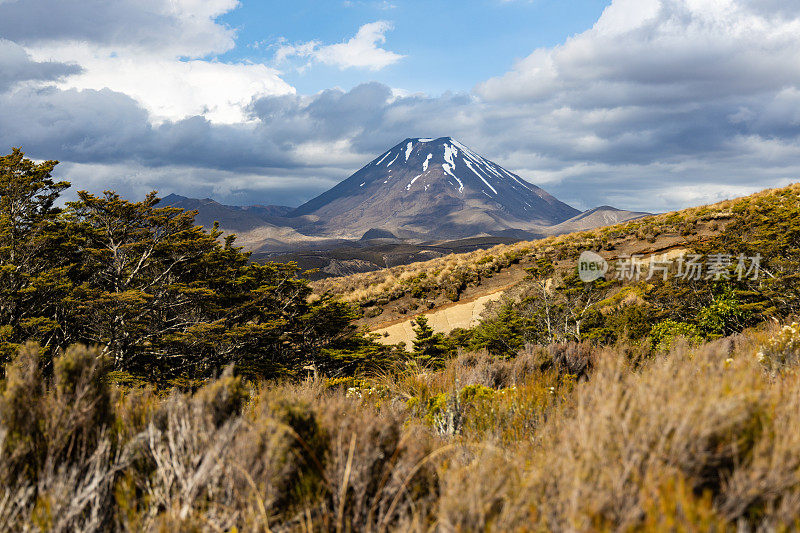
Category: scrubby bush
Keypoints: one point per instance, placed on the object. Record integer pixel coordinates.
(562, 437)
(782, 349)
(59, 456)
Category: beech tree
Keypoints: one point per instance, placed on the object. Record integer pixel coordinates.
(34, 262)
(141, 277)
(164, 298)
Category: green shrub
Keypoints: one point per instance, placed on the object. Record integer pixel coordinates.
(725, 315)
(430, 348)
(476, 393)
(664, 334)
(502, 335)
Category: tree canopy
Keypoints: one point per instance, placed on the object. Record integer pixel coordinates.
(163, 297)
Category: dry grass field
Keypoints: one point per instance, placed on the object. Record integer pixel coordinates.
(560, 437)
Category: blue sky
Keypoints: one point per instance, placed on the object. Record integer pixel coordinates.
(648, 105)
(447, 46)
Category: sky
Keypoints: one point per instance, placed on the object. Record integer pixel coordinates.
(641, 104)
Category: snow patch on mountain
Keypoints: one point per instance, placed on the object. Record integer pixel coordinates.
(425, 164)
(408, 187)
(469, 165)
(382, 158)
(447, 168)
(449, 152)
(487, 165)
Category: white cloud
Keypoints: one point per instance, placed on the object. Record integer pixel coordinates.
(361, 51)
(168, 88)
(140, 48)
(659, 105)
(651, 50)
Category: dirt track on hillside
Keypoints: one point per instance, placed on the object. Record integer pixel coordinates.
(466, 313)
(442, 320)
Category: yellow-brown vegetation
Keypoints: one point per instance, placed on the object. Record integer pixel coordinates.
(449, 275)
(562, 437)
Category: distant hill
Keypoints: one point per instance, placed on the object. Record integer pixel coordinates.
(378, 234)
(594, 218)
(231, 218)
(253, 225)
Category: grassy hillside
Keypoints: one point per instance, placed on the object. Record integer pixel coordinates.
(452, 274)
(391, 294)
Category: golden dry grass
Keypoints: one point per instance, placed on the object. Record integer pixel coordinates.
(565, 437)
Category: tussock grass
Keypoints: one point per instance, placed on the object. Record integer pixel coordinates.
(563, 437)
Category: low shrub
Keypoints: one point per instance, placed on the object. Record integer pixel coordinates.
(562, 437)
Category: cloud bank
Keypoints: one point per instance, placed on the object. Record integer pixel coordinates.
(661, 104)
(16, 66)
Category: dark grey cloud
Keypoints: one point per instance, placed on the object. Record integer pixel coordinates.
(183, 26)
(588, 157)
(367, 115)
(80, 126)
(88, 126)
(134, 180)
(330, 115)
(94, 20)
(17, 66)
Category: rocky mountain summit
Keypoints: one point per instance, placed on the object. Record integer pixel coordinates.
(431, 188)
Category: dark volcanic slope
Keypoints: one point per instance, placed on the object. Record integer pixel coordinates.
(435, 188)
(231, 218)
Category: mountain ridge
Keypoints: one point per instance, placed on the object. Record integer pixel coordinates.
(422, 190)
